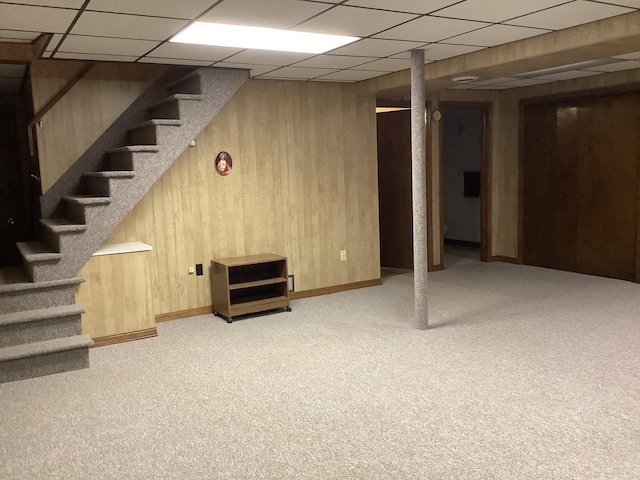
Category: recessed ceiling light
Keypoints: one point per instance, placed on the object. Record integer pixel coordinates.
(241, 36)
(465, 79)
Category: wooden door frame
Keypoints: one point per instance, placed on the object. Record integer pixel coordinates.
(485, 176)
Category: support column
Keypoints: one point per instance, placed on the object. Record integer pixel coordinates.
(419, 188)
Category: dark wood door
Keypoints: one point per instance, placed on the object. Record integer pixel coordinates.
(609, 148)
(550, 154)
(394, 189)
(581, 185)
(11, 189)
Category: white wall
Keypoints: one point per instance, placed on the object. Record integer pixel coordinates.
(462, 152)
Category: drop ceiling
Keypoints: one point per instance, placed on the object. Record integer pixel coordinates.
(138, 31)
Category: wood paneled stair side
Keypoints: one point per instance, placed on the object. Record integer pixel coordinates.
(40, 322)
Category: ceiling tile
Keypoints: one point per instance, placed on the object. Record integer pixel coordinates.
(175, 61)
(96, 56)
(255, 69)
(35, 19)
(105, 45)
(624, 3)
(186, 51)
(77, 4)
(440, 51)
(629, 56)
(495, 10)
(569, 15)
(496, 35)
(268, 57)
(12, 70)
(616, 67)
(409, 6)
(386, 65)
(567, 75)
(333, 61)
(126, 26)
(376, 47)
(298, 73)
(524, 82)
(159, 8)
(353, 21)
(17, 35)
(431, 29)
(272, 14)
(53, 43)
(351, 75)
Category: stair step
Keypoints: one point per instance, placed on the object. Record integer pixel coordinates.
(176, 96)
(135, 148)
(87, 200)
(43, 348)
(38, 252)
(41, 314)
(157, 122)
(62, 225)
(111, 174)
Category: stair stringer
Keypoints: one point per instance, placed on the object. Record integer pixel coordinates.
(217, 87)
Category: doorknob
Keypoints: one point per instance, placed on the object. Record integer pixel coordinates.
(12, 221)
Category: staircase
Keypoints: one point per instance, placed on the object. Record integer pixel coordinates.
(40, 322)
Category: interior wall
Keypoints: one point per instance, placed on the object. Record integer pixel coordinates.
(463, 138)
(303, 185)
(86, 111)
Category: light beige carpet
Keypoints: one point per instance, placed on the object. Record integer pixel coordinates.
(527, 373)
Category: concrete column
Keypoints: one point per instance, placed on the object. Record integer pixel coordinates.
(419, 188)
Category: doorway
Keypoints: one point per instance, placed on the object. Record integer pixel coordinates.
(464, 156)
(19, 185)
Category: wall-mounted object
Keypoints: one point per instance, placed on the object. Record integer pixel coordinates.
(224, 163)
(436, 115)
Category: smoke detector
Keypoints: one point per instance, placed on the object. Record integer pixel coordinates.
(465, 79)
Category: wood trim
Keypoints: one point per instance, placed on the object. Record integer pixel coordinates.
(486, 173)
(437, 268)
(190, 312)
(429, 191)
(335, 289)
(125, 337)
(521, 182)
(582, 95)
(500, 258)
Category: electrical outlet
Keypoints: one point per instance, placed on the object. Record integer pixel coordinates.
(199, 269)
(191, 270)
(343, 255)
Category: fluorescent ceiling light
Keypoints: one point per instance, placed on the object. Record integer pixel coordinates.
(260, 38)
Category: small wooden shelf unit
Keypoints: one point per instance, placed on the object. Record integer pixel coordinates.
(251, 284)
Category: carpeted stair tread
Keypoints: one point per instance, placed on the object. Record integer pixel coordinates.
(157, 122)
(41, 314)
(62, 225)
(135, 148)
(87, 199)
(177, 96)
(111, 174)
(38, 252)
(43, 348)
(23, 283)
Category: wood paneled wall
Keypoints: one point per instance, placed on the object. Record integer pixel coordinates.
(303, 185)
(85, 112)
(117, 295)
